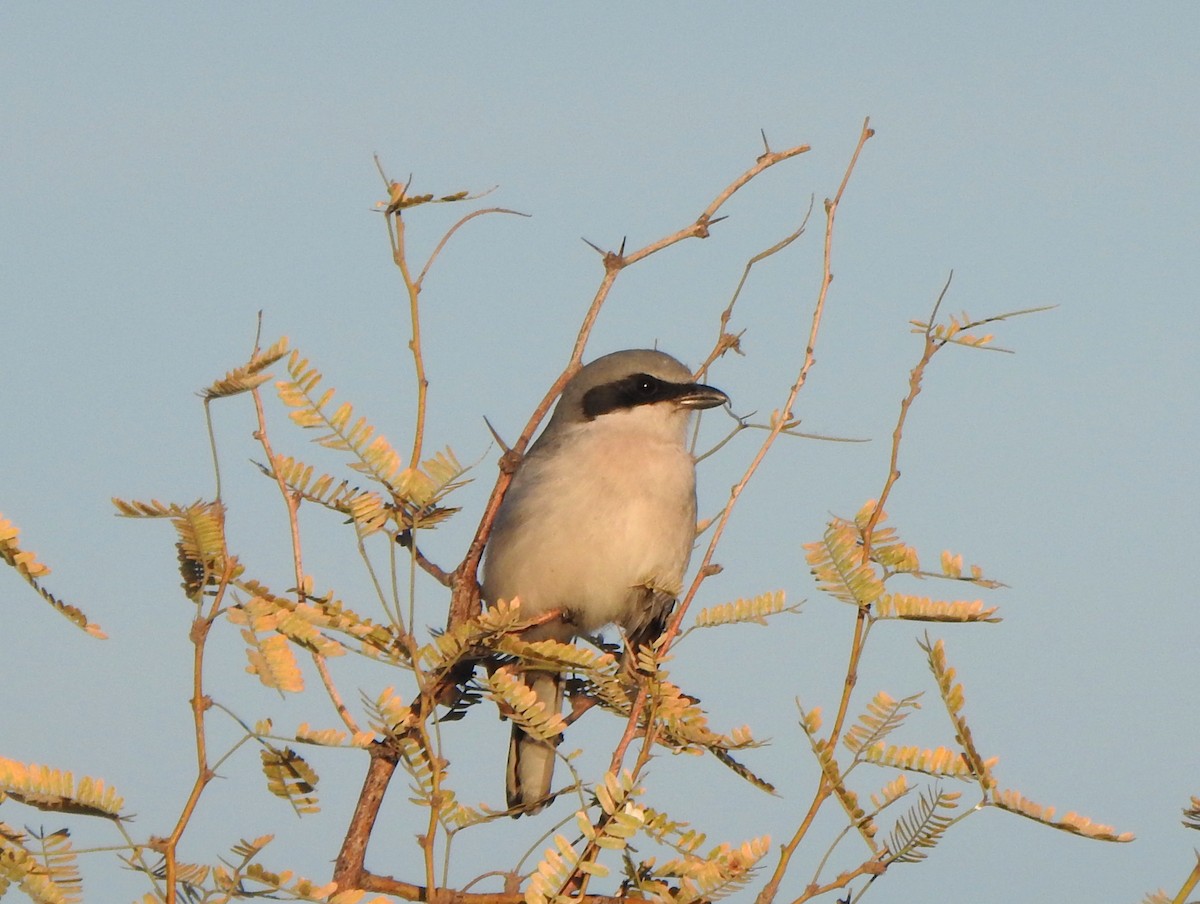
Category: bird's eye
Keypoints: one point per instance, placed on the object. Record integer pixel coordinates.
(645, 385)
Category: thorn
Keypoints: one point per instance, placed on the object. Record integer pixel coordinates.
(766, 144)
(704, 224)
(496, 436)
(600, 251)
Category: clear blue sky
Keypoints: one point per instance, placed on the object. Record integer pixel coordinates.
(167, 171)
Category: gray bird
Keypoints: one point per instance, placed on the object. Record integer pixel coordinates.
(599, 521)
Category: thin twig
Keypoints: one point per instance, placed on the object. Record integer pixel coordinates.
(413, 288)
(335, 696)
(453, 229)
(916, 375)
(724, 341)
(823, 788)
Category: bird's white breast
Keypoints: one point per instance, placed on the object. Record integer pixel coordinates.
(592, 518)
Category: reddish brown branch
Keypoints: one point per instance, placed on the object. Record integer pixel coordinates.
(349, 871)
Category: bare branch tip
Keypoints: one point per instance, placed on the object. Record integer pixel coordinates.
(379, 167)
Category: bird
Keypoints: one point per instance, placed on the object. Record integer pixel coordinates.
(598, 523)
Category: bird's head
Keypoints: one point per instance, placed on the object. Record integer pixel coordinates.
(639, 384)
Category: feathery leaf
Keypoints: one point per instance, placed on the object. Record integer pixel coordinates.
(922, 826)
(54, 790)
(810, 721)
(323, 612)
(200, 528)
(521, 704)
(756, 610)
(247, 376)
(836, 561)
(1191, 815)
(59, 860)
(952, 696)
(388, 715)
(551, 874)
(366, 508)
(375, 455)
(416, 493)
(862, 821)
(289, 776)
(19, 864)
(890, 793)
(720, 872)
(886, 547)
(678, 835)
(941, 761)
(29, 568)
(428, 773)
(883, 715)
(1071, 822)
(1158, 897)
(272, 660)
(922, 608)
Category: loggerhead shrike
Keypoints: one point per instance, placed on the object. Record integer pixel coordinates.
(599, 522)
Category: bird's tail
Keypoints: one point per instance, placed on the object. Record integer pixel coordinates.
(531, 760)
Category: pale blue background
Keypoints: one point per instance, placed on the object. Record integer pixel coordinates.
(168, 171)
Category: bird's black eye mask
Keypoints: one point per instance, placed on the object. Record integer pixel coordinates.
(629, 392)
